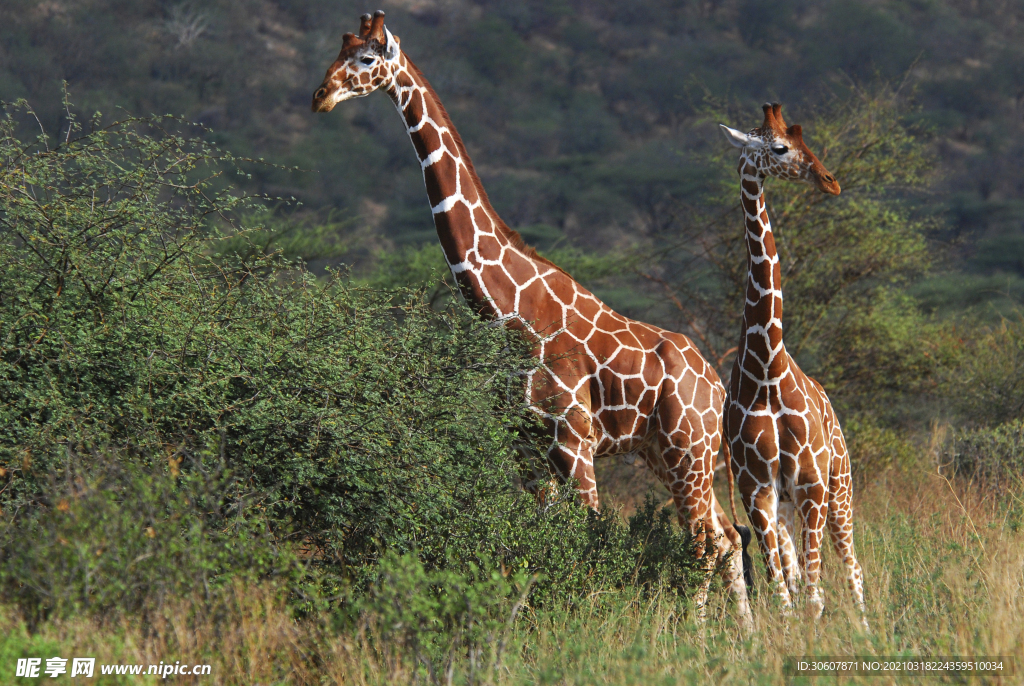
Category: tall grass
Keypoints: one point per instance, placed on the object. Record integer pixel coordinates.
(944, 564)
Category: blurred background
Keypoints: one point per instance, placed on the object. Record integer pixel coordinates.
(594, 127)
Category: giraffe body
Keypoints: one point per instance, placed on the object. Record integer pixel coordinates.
(788, 451)
(606, 385)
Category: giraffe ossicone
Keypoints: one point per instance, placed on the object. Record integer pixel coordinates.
(605, 384)
(788, 451)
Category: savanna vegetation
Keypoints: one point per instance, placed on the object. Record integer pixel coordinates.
(244, 421)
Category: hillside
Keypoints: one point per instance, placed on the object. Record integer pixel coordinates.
(583, 117)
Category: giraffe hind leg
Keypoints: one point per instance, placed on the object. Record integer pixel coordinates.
(762, 511)
(811, 498)
(840, 508)
(787, 549)
(840, 527)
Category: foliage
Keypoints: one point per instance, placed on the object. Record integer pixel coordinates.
(985, 379)
(112, 539)
(572, 124)
(575, 552)
(993, 455)
(550, 560)
(876, 449)
(369, 417)
(442, 618)
(935, 584)
(414, 267)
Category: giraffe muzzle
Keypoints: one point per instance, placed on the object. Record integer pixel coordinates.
(827, 183)
(321, 103)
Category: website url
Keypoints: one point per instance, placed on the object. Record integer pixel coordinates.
(161, 670)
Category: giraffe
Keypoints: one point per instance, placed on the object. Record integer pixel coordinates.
(604, 385)
(788, 450)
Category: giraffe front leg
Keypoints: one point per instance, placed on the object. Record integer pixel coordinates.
(762, 510)
(787, 549)
(576, 462)
(688, 478)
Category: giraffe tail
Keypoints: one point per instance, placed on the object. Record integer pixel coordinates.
(744, 532)
(727, 456)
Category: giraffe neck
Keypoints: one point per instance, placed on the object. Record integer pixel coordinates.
(762, 351)
(473, 237)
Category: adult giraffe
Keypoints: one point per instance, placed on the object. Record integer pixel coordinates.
(787, 447)
(606, 385)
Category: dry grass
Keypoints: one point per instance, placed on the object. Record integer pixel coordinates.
(944, 565)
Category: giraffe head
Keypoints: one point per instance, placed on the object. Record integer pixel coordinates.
(778, 150)
(366, 62)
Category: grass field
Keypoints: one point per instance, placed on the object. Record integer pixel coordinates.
(944, 568)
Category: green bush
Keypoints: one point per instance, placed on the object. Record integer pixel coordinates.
(115, 538)
(179, 406)
(874, 449)
(576, 551)
(368, 420)
(985, 380)
(573, 551)
(551, 559)
(994, 455)
(442, 617)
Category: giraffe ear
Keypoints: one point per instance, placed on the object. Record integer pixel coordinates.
(350, 40)
(738, 138)
(392, 46)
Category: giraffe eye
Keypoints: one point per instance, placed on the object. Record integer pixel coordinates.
(368, 60)
(780, 149)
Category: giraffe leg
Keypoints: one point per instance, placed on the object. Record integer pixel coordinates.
(840, 526)
(576, 462)
(688, 478)
(811, 500)
(762, 510)
(787, 549)
(570, 454)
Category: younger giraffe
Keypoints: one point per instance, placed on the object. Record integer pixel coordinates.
(606, 385)
(787, 448)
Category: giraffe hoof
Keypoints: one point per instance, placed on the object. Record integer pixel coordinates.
(747, 625)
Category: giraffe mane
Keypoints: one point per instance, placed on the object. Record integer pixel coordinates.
(513, 236)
